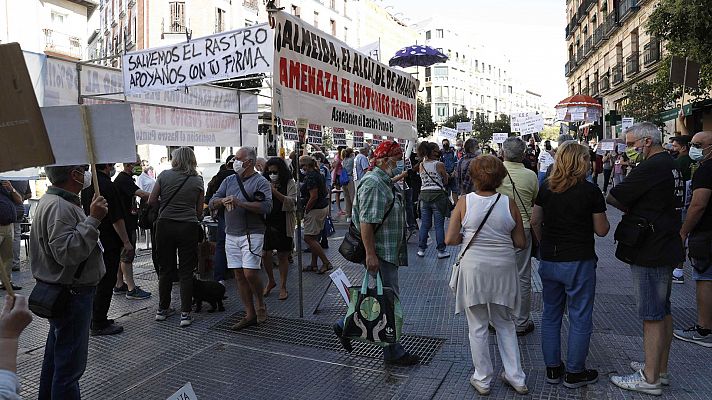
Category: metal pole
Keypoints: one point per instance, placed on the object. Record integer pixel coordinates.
(239, 112)
(299, 237)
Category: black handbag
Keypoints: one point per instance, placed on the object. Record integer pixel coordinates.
(699, 249)
(630, 234)
(352, 247)
(50, 300)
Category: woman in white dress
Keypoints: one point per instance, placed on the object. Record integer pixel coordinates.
(486, 283)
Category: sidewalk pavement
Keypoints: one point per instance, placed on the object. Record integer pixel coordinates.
(298, 358)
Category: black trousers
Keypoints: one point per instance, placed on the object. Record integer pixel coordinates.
(105, 288)
(606, 178)
(181, 239)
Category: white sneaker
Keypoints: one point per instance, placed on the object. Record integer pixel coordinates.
(443, 254)
(637, 383)
(481, 389)
(664, 377)
(421, 253)
(523, 389)
(348, 220)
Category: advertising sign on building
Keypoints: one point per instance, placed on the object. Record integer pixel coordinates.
(321, 78)
(208, 59)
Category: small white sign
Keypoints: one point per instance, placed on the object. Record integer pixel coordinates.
(464, 126)
(626, 123)
(448, 132)
(608, 146)
(499, 137)
(342, 283)
(184, 393)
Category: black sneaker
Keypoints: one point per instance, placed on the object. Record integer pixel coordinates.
(111, 329)
(579, 379)
(121, 290)
(527, 329)
(345, 342)
(407, 360)
(554, 374)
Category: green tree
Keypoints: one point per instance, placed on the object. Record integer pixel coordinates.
(550, 132)
(481, 128)
(426, 126)
(502, 124)
(461, 116)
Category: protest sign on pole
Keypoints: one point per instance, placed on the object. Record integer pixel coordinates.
(319, 77)
(358, 139)
(302, 125)
(464, 127)
(448, 133)
(626, 123)
(314, 134)
(289, 129)
(499, 137)
(221, 56)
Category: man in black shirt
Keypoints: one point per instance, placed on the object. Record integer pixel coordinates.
(652, 191)
(128, 190)
(113, 239)
(697, 228)
(683, 162)
(220, 260)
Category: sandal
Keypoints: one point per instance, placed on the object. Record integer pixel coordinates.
(310, 268)
(325, 269)
(244, 323)
(283, 296)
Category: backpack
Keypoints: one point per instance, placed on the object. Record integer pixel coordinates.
(344, 177)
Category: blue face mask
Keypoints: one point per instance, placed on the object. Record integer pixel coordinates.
(400, 164)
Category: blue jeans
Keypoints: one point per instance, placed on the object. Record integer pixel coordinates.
(220, 259)
(541, 176)
(428, 211)
(572, 283)
(652, 286)
(65, 357)
(389, 277)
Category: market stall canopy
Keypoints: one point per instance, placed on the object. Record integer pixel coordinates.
(578, 108)
(417, 56)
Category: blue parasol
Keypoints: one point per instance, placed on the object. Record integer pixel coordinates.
(417, 56)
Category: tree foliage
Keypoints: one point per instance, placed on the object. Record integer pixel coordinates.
(461, 116)
(482, 129)
(426, 126)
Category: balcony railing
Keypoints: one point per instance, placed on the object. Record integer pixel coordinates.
(626, 8)
(618, 74)
(57, 42)
(588, 46)
(569, 67)
(651, 52)
(579, 55)
(598, 36)
(632, 64)
(610, 25)
(584, 91)
(568, 30)
(604, 84)
(594, 88)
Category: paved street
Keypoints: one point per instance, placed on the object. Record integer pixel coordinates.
(293, 358)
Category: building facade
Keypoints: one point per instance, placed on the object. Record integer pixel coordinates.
(609, 49)
(55, 27)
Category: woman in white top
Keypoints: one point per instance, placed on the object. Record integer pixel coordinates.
(434, 199)
(486, 283)
(546, 159)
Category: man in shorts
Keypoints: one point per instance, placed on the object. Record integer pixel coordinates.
(697, 230)
(246, 198)
(652, 191)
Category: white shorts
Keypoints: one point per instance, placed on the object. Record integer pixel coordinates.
(244, 253)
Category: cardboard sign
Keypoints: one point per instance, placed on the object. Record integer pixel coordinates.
(448, 133)
(684, 71)
(499, 137)
(221, 56)
(23, 137)
(464, 126)
(314, 134)
(342, 283)
(302, 125)
(289, 129)
(608, 146)
(626, 123)
(358, 140)
(184, 393)
(112, 131)
(339, 136)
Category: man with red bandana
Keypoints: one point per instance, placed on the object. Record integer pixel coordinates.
(378, 203)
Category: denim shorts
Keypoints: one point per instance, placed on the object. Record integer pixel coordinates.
(701, 276)
(652, 287)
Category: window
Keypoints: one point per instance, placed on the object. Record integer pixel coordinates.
(58, 19)
(427, 35)
(177, 21)
(316, 19)
(428, 95)
(439, 33)
(333, 27)
(219, 20)
(295, 10)
(440, 71)
(441, 110)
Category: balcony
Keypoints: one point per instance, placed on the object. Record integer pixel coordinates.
(604, 84)
(618, 74)
(579, 55)
(584, 9)
(569, 67)
(568, 30)
(610, 25)
(571, 27)
(598, 36)
(588, 46)
(63, 44)
(594, 88)
(651, 52)
(584, 91)
(632, 64)
(626, 8)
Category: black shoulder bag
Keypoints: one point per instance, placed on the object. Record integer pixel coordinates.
(447, 194)
(352, 247)
(50, 300)
(630, 234)
(148, 215)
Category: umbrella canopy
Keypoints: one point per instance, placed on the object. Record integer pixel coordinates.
(417, 56)
(578, 108)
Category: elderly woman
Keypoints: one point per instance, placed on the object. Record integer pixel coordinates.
(315, 198)
(179, 194)
(279, 231)
(486, 283)
(567, 212)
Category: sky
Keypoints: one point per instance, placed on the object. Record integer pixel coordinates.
(529, 32)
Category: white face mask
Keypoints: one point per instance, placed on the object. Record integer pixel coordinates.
(87, 179)
(237, 166)
(273, 177)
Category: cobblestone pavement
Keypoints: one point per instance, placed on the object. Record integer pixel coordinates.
(298, 358)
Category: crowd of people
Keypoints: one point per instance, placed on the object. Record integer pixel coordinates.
(501, 207)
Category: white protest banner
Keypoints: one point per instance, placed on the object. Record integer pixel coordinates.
(112, 131)
(184, 393)
(626, 123)
(321, 78)
(464, 126)
(338, 135)
(341, 281)
(358, 139)
(499, 137)
(221, 56)
(25, 174)
(448, 133)
(314, 134)
(289, 129)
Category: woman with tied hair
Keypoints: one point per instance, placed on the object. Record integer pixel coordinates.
(280, 223)
(567, 212)
(178, 193)
(486, 284)
(434, 199)
(347, 163)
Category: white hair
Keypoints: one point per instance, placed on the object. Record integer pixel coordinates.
(646, 130)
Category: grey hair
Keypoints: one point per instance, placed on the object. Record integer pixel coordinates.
(646, 130)
(564, 137)
(250, 154)
(60, 174)
(183, 161)
(513, 149)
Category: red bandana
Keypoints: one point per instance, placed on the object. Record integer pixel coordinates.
(384, 150)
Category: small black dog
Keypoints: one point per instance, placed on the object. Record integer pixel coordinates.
(209, 291)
